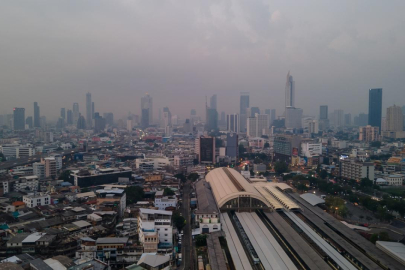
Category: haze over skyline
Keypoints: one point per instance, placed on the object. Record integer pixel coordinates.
(181, 51)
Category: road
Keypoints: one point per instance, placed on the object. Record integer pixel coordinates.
(187, 248)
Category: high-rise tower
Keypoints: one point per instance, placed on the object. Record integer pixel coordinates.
(375, 107)
(290, 91)
(146, 110)
(76, 113)
(37, 121)
(19, 118)
(89, 111)
(244, 105)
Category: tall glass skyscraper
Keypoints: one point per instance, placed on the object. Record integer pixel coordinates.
(375, 107)
(19, 118)
(244, 105)
(89, 111)
(37, 122)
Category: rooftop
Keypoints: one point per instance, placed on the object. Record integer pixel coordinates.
(205, 198)
(112, 240)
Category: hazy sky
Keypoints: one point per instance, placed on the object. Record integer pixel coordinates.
(179, 51)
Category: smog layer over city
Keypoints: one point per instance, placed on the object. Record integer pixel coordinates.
(229, 134)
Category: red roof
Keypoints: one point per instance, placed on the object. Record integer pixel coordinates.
(18, 203)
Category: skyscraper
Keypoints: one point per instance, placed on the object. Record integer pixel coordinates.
(232, 123)
(19, 118)
(244, 105)
(290, 91)
(193, 112)
(338, 118)
(109, 118)
(348, 119)
(89, 111)
(167, 117)
(147, 108)
(395, 120)
(375, 107)
(323, 112)
(272, 116)
(92, 110)
(37, 121)
(69, 117)
(213, 102)
(29, 122)
(293, 118)
(254, 111)
(258, 125)
(63, 113)
(76, 113)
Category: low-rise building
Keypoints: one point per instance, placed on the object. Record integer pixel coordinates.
(155, 225)
(112, 200)
(37, 199)
(353, 169)
(395, 180)
(207, 213)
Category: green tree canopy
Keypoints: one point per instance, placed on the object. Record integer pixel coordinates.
(193, 176)
(65, 176)
(178, 221)
(181, 177)
(280, 167)
(168, 192)
(134, 194)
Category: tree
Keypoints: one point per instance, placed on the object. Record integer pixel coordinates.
(302, 187)
(266, 145)
(2, 157)
(365, 182)
(280, 167)
(178, 221)
(65, 176)
(134, 194)
(201, 240)
(168, 192)
(193, 176)
(375, 144)
(181, 177)
(241, 149)
(323, 174)
(382, 236)
(59, 149)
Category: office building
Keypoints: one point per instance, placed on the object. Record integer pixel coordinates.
(63, 113)
(92, 110)
(353, 169)
(267, 111)
(145, 118)
(395, 180)
(99, 122)
(147, 110)
(232, 123)
(193, 112)
(188, 126)
(258, 125)
(109, 119)
(222, 120)
(37, 122)
(323, 118)
(17, 151)
(286, 148)
(76, 113)
(163, 202)
(19, 118)
(43, 122)
(69, 117)
(244, 105)
(205, 149)
(89, 111)
(313, 127)
(232, 146)
(375, 107)
(29, 122)
(348, 119)
(167, 117)
(39, 170)
(394, 119)
(293, 118)
(289, 91)
(338, 118)
(213, 102)
(311, 149)
(50, 167)
(100, 177)
(253, 111)
(81, 122)
(272, 116)
(369, 134)
(212, 120)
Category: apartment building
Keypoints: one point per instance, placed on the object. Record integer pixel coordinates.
(353, 169)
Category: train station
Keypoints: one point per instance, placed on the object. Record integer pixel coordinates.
(268, 226)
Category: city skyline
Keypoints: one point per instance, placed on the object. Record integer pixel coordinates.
(254, 57)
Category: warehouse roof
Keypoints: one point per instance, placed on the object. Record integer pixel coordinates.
(312, 199)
